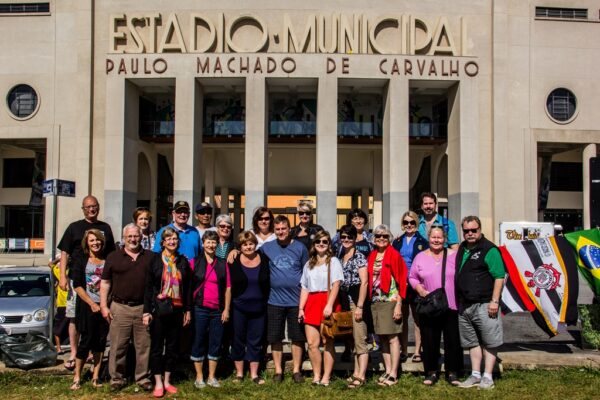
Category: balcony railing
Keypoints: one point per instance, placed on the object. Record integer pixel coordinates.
(293, 128)
(225, 128)
(428, 130)
(359, 129)
(157, 128)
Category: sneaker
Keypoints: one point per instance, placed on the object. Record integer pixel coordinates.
(470, 382)
(486, 383)
(213, 383)
(199, 384)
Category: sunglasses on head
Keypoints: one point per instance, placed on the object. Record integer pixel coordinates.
(465, 231)
(411, 222)
(301, 213)
(322, 241)
(382, 236)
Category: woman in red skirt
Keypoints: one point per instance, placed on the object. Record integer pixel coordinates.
(318, 300)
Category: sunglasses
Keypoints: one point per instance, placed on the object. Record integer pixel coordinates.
(264, 219)
(407, 222)
(204, 212)
(225, 227)
(322, 241)
(346, 237)
(301, 213)
(465, 231)
(182, 211)
(381, 236)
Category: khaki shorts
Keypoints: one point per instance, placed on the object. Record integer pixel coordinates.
(383, 318)
(359, 333)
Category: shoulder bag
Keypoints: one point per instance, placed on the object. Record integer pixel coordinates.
(435, 303)
(339, 324)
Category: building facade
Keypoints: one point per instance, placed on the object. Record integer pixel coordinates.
(489, 104)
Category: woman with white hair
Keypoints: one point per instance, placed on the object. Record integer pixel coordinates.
(387, 288)
(225, 245)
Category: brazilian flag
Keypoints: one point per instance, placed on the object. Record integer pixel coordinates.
(587, 246)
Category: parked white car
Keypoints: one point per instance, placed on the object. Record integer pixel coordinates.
(25, 300)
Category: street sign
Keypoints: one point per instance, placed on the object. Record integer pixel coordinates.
(59, 187)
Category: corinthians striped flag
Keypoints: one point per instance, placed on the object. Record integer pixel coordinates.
(542, 279)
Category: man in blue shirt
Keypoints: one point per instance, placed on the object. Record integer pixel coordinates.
(286, 261)
(431, 217)
(190, 244)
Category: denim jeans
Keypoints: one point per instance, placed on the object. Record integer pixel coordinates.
(209, 328)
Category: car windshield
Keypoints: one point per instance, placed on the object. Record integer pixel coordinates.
(24, 285)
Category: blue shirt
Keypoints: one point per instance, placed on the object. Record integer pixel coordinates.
(452, 236)
(190, 244)
(285, 264)
(406, 251)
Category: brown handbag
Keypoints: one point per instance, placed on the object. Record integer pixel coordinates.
(339, 324)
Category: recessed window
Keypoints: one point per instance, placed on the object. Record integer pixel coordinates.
(22, 101)
(562, 13)
(18, 172)
(24, 8)
(561, 105)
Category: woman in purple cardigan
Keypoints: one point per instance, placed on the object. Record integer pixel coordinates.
(426, 276)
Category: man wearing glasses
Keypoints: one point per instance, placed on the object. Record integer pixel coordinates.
(478, 282)
(190, 244)
(431, 217)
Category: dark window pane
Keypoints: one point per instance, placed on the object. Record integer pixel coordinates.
(18, 172)
(566, 176)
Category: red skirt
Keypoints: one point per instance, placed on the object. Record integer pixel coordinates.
(315, 304)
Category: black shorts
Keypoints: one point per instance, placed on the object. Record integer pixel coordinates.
(276, 318)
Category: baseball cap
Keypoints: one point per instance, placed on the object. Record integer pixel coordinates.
(180, 204)
(203, 206)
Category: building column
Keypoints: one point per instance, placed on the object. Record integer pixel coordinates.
(364, 200)
(255, 163)
(209, 176)
(187, 177)
(327, 165)
(395, 154)
(237, 213)
(121, 154)
(463, 150)
(588, 152)
(377, 188)
(224, 200)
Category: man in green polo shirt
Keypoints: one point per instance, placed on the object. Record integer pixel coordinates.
(478, 284)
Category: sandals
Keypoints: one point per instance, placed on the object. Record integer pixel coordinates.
(383, 378)
(356, 383)
(389, 381)
(96, 384)
(76, 385)
(70, 365)
(238, 379)
(416, 358)
(258, 380)
(430, 380)
(452, 379)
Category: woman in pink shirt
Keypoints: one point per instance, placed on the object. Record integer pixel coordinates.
(211, 296)
(426, 276)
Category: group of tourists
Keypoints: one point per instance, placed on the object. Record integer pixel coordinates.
(201, 292)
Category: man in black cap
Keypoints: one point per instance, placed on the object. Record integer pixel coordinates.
(190, 244)
(204, 217)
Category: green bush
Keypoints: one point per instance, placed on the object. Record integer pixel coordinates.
(590, 324)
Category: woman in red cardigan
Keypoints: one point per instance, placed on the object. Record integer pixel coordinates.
(387, 288)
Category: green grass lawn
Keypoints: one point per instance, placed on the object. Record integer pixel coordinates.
(568, 383)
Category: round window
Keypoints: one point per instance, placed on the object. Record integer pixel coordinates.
(561, 105)
(22, 101)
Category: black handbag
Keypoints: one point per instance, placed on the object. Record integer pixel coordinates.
(435, 303)
(164, 307)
